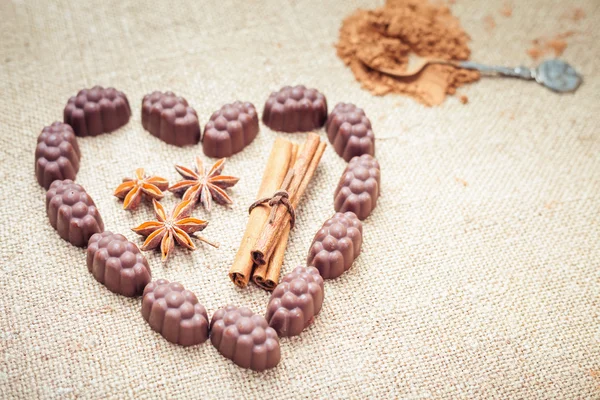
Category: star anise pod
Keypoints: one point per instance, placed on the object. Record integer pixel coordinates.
(133, 189)
(203, 187)
(168, 229)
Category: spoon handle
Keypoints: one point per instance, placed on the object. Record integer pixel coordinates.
(518, 72)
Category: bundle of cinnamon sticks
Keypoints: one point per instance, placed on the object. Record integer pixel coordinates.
(289, 169)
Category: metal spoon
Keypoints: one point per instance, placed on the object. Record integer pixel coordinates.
(554, 74)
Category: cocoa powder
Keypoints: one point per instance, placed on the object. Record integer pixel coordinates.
(387, 35)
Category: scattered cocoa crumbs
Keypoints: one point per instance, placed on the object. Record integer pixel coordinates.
(489, 22)
(461, 181)
(387, 35)
(463, 99)
(557, 45)
(554, 46)
(535, 53)
(507, 10)
(576, 14)
(509, 114)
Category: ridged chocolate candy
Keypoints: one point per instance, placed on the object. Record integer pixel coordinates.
(170, 118)
(295, 109)
(295, 301)
(118, 264)
(97, 110)
(56, 155)
(175, 313)
(72, 212)
(245, 338)
(359, 187)
(230, 129)
(349, 131)
(336, 245)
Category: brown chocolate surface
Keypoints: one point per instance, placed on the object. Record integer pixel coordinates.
(349, 131)
(295, 301)
(72, 212)
(230, 129)
(175, 313)
(97, 110)
(245, 338)
(336, 245)
(118, 264)
(57, 154)
(170, 118)
(295, 109)
(359, 187)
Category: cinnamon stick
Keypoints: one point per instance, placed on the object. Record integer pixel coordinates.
(266, 243)
(269, 276)
(259, 276)
(269, 279)
(280, 160)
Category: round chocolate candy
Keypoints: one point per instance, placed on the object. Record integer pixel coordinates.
(336, 245)
(349, 131)
(175, 313)
(72, 212)
(359, 187)
(245, 338)
(230, 129)
(296, 301)
(57, 154)
(170, 118)
(295, 109)
(97, 110)
(118, 264)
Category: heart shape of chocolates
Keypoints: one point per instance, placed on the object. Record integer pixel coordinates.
(248, 339)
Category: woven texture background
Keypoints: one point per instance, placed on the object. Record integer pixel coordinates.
(479, 276)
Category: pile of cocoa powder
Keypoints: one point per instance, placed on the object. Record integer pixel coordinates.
(386, 36)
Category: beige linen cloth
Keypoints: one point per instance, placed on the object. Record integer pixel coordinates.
(479, 275)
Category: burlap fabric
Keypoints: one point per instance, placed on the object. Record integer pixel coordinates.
(479, 275)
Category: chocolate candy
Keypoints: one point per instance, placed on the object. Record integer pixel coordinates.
(295, 301)
(358, 188)
(170, 118)
(56, 155)
(72, 212)
(245, 338)
(175, 313)
(118, 264)
(349, 130)
(336, 245)
(230, 129)
(295, 109)
(97, 110)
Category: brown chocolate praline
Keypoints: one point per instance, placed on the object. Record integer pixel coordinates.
(170, 118)
(359, 187)
(349, 131)
(57, 154)
(336, 245)
(230, 129)
(295, 109)
(245, 338)
(72, 212)
(175, 313)
(296, 301)
(118, 264)
(97, 110)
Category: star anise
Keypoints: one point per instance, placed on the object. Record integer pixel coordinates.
(204, 187)
(168, 229)
(132, 189)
